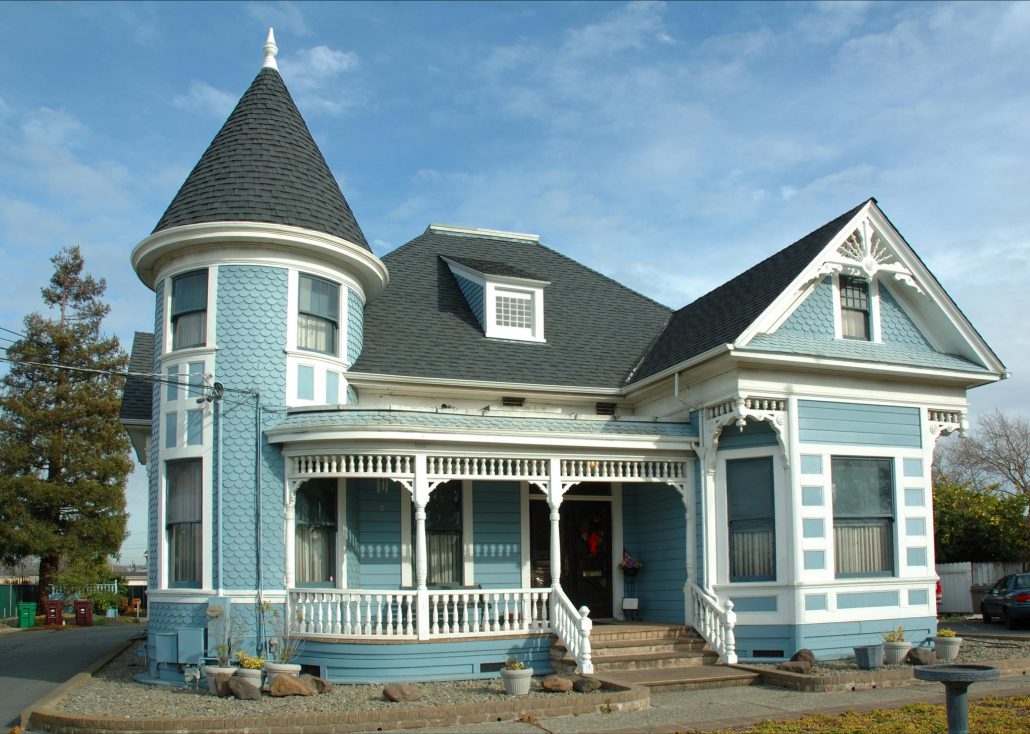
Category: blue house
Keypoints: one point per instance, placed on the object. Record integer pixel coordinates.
(458, 452)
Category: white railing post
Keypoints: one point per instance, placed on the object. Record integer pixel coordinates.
(729, 619)
(421, 569)
(584, 666)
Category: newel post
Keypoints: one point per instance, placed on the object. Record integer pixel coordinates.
(586, 665)
(729, 618)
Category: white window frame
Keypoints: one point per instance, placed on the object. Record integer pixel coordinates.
(535, 296)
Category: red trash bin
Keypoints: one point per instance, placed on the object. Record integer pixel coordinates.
(54, 611)
(84, 612)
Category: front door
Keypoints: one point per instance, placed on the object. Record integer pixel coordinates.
(586, 534)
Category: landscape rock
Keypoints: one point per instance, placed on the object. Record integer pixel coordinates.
(244, 690)
(556, 684)
(287, 685)
(804, 655)
(796, 666)
(221, 680)
(586, 685)
(401, 692)
(320, 685)
(921, 656)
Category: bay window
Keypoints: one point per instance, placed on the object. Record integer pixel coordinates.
(189, 310)
(750, 516)
(316, 533)
(863, 516)
(318, 315)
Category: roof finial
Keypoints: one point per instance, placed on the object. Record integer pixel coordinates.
(270, 51)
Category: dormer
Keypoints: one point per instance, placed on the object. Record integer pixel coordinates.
(507, 302)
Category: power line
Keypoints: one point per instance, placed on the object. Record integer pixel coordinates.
(12, 331)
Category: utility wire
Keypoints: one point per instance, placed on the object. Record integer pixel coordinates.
(12, 331)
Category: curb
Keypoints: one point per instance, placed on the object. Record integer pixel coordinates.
(76, 681)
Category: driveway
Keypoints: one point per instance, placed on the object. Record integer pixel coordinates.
(995, 629)
(35, 663)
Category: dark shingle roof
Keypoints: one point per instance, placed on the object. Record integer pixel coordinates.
(137, 395)
(422, 326)
(722, 315)
(264, 166)
(488, 267)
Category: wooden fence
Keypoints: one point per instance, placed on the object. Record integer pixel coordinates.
(963, 584)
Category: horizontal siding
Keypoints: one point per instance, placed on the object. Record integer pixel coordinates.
(755, 434)
(858, 425)
(829, 640)
(654, 532)
(497, 534)
(378, 534)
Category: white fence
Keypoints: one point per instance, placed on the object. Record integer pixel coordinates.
(962, 584)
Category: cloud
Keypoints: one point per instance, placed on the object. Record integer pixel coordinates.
(203, 97)
(281, 16)
(630, 27)
(319, 78)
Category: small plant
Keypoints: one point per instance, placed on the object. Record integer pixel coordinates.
(226, 632)
(895, 635)
(250, 662)
(946, 633)
(629, 563)
(514, 664)
(284, 644)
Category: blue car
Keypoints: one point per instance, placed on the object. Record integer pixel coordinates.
(1008, 600)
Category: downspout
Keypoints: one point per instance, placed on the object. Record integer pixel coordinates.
(218, 488)
(257, 513)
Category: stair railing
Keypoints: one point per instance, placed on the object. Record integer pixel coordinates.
(715, 623)
(572, 626)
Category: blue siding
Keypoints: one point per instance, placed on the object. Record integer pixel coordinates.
(812, 496)
(814, 316)
(915, 556)
(497, 534)
(755, 434)
(858, 425)
(251, 333)
(895, 325)
(815, 602)
(305, 382)
(813, 528)
(332, 387)
(867, 599)
(913, 468)
(827, 641)
(915, 526)
(343, 662)
(355, 325)
(473, 293)
(654, 531)
(811, 464)
(169, 618)
(918, 596)
(814, 560)
(351, 545)
(378, 534)
(747, 604)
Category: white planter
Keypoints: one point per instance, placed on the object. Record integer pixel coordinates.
(273, 670)
(251, 676)
(516, 682)
(211, 670)
(947, 647)
(894, 652)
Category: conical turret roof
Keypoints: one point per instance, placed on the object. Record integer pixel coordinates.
(264, 166)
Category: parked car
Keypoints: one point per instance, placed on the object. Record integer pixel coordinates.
(1008, 600)
(940, 594)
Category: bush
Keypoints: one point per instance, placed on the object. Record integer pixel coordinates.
(978, 525)
(104, 600)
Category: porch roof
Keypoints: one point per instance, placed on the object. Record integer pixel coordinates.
(480, 423)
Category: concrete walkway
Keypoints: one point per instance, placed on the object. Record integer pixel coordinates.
(734, 707)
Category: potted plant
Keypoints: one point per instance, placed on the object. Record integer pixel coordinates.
(630, 566)
(516, 677)
(284, 644)
(947, 643)
(250, 668)
(869, 657)
(895, 647)
(225, 633)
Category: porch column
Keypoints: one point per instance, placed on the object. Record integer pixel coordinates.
(421, 499)
(291, 540)
(554, 498)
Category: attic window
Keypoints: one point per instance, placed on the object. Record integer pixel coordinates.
(507, 302)
(513, 310)
(854, 308)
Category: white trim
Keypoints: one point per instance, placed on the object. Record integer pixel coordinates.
(446, 385)
(468, 547)
(341, 533)
(617, 544)
(479, 232)
(525, 560)
(407, 552)
(875, 327)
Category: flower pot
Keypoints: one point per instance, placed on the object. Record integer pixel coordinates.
(894, 652)
(947, 647)
(516, 682)
(211, 670)
(631, 572)
(272, 670)
(869, 657)
(251, 676)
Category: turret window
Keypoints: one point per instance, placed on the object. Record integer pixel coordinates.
(318, 317)
(189, 310)
(854, 308)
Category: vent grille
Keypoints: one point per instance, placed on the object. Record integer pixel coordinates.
(605, 408)
(510, 401)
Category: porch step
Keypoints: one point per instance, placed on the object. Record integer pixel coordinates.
(647, 661)
(683, 646)
(684, 679)
(639, 647)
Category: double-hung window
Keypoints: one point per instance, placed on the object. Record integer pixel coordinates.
(444, 559)
(854, 308)
(318, 317)
(183, 521)
(316, 533)
(863, 516)
(750, 515)
(189, 310)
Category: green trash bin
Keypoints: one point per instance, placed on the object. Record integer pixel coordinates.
(27, 614)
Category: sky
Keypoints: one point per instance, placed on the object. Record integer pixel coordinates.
(667, 146)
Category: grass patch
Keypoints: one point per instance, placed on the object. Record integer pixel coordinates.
(986, 716)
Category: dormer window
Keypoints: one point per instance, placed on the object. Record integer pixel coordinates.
(854, 308)
(508, 303)
(513, 310)
(318, 316)
(189, 310)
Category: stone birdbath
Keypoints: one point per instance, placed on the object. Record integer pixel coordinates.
(956, 680)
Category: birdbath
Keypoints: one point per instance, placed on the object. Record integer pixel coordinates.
(956, 680)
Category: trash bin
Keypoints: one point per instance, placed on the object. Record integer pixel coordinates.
(54, 612)
(84, 612)
(27, 614)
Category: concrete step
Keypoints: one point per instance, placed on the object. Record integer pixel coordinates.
(630, 631)
(630, 647)
(684, 679)
(650, 661)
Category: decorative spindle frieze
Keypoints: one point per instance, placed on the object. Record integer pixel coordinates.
(942, 421)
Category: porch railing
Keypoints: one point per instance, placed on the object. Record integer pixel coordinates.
(715, 623)
(384, 614)
(572, 626)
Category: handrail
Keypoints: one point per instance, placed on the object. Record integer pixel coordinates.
(572, 627)
(714, 623)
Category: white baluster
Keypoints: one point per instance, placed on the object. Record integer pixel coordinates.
(347, 629)
(367, 622)
(475, 614)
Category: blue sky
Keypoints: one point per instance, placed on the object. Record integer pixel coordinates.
(668, 146)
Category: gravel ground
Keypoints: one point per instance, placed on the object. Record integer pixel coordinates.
(113, 692)
(973, 650)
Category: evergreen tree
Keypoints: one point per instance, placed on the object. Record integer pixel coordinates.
(64, 456)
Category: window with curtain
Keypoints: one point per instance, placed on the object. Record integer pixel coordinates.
(318, 315)
(316, 533)
(184, 480)
(189, 310)
(863, 516)
(444, 557)
(752, 528)
(854, 308)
